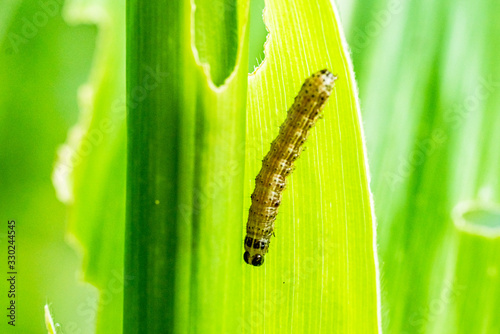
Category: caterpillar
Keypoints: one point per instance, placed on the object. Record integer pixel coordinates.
(278, 163)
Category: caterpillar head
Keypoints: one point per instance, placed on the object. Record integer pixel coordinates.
(255, 249)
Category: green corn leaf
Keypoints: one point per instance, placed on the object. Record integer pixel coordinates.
(186, 195)
(320, 274)
(185, 166)
(430, 84)
(90, 173)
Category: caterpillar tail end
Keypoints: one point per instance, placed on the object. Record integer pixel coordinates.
(255, 249)
(256, 260)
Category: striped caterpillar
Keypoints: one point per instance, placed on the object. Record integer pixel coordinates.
(278, 163)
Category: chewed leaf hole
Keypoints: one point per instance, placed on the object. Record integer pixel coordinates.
(215, 38)
(258, 35)
(478, 217)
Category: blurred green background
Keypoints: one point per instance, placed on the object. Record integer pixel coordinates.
(42, 66)
(429, 86)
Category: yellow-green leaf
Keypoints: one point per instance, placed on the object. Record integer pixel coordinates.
(320, 275)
